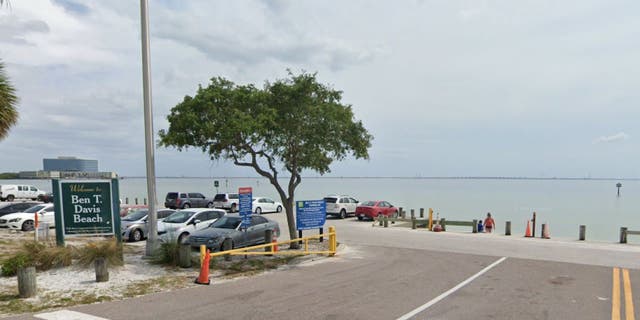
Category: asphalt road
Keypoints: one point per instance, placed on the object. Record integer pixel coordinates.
(398, 273)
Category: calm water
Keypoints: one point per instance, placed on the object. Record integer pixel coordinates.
(563, 204)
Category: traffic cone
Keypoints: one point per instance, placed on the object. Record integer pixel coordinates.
(545, 232)
(527, 233)
(275, 244)
(203, 278)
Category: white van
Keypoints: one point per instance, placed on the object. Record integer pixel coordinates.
(10, 192)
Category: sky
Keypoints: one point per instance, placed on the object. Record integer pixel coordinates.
(447, 88)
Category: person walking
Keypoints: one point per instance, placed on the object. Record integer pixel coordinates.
(489, 223)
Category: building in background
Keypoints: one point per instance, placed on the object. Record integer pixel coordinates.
(70, 164)
(67, 168)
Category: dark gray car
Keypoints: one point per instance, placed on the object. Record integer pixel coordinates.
(229, 227)
(182, 200)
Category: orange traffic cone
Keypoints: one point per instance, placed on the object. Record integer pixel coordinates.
(275, 244)
(545, 231)
(203, 278)
(527, 233)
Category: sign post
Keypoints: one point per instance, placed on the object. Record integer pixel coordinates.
(310, 214)
(216, 184)
(86, 207)
(245, 206)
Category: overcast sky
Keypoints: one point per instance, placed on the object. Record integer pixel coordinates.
(447, 88)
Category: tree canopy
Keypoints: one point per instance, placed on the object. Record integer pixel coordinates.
(8, 102)
(290, 125)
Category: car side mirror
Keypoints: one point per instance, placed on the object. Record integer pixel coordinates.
(196, 221)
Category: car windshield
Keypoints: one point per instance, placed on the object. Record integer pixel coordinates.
(368, 204)
(34, 209)
(179, 216)
(227, 222)
(136, 215)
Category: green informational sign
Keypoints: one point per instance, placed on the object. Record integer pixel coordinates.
(86, 207)
(216, 183)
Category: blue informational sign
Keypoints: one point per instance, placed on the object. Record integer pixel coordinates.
(244, 206)
(310, 214)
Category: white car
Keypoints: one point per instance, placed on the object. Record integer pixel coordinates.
(263, 204)
(10, 192)
(182, 223)
(340, 206)
(25, 220)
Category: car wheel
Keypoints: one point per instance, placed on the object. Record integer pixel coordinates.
(34, 199)
(343, 214)
(182, 237)
(210, 205)
(258, 210)
(135, 236)
(27, 225)
(360, 218)
(279, 209)
(233, 207)
(186, 206)
(10, 197)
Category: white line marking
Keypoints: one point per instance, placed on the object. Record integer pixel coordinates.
(450, 291)
(67, 315)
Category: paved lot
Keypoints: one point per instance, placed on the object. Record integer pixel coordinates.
(397, 273)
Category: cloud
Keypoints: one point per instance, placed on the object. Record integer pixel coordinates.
(72, 6)
(14, 30)
(620, 136)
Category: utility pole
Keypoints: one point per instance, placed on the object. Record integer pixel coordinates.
(152, 225)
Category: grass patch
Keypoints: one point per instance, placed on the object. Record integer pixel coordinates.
(110, 250)
(42, 255)
(168, 254)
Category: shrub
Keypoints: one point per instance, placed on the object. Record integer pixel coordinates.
(43, 256)
(110, 250)
(167, 254)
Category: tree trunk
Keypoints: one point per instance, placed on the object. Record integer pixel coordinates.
(291, 222)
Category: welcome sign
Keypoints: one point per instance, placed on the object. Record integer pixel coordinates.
(86, 207)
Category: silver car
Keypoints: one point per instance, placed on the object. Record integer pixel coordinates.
(229, 226)
(134, 225)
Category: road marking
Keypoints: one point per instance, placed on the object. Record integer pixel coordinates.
(450, 291)
(628, 296)
(615, 295)
(67, 315)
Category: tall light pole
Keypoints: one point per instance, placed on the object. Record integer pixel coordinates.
(152, 226)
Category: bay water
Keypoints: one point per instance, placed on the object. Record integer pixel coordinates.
(563, 204)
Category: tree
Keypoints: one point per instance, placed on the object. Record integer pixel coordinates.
(291, 125)
(8, 102)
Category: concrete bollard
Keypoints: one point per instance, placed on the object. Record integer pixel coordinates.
(145, 201)
(380, 220)
(136, 200)
(421, 212)
(543, 229)
(507, 228)
(443, 224)
(386, 221)
(413, 222)
(102, 271)
(126, 200)
(401, 210)
(27, 282)
(413, 213)
(475, 226)
(184, 256)
(226, 246)
(623, 235)
(583, 231)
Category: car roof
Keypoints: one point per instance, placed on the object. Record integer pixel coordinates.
(201, 209)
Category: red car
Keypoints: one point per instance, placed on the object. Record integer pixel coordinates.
(372, 209)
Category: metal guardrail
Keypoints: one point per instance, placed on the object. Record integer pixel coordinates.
(333, 244)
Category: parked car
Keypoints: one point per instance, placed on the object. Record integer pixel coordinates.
(183, 222)
(25, 220)
(45, 197)
(262, 205)
(134, 225)
(183, 200)
(340, 206)
(372, 209)
(10, 192)
(126, 209)
(227, 201)
(11, 207)
(229, 227)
